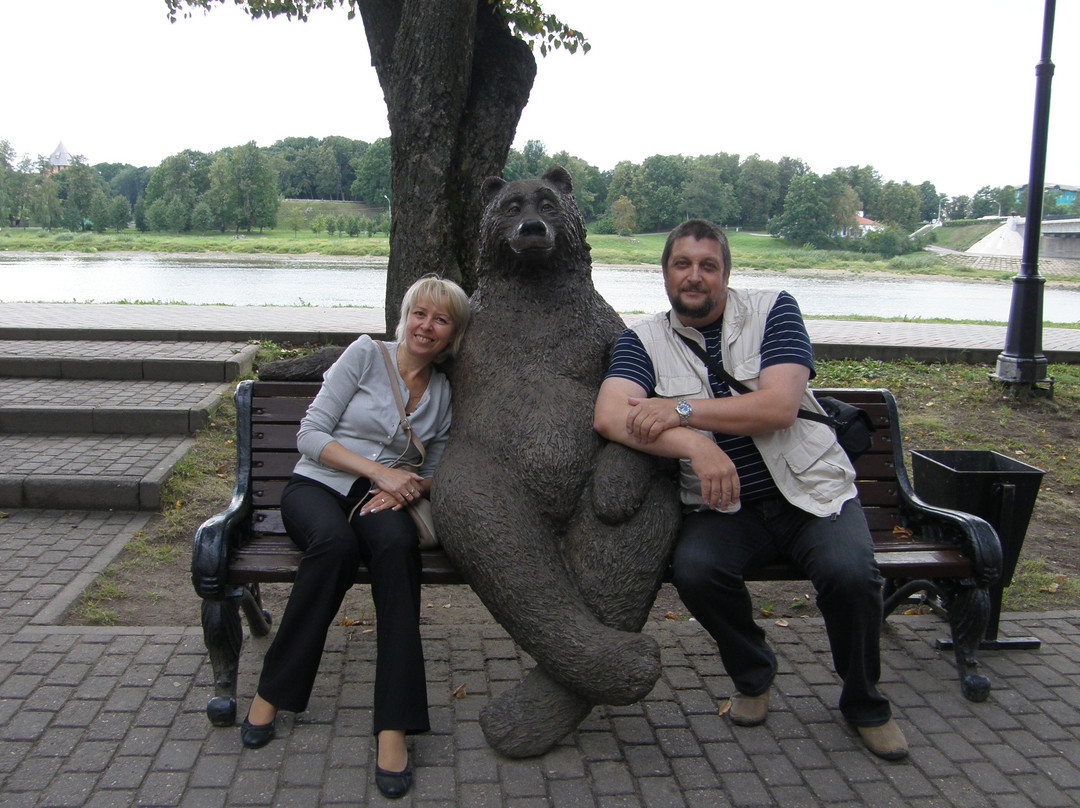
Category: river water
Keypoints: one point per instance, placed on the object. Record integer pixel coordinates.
(318, 281)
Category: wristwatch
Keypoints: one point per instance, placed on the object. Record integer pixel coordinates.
(684, 411)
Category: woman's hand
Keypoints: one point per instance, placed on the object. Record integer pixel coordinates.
(394, 489)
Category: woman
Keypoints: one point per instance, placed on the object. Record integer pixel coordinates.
(349, 439)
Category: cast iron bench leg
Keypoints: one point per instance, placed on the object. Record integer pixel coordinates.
(224, 637)
(969, 614)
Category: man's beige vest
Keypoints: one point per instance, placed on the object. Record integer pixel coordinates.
(805, 461)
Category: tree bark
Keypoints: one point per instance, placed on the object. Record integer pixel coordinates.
(455, 82)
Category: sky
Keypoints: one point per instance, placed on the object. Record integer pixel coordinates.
(941, 91)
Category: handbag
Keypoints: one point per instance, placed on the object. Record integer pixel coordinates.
(852, 425)
(420, 510)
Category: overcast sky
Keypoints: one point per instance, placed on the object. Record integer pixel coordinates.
(941, 91)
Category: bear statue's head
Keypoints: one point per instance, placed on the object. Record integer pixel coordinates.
(531, 222)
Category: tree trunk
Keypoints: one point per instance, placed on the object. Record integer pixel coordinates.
(455, 81)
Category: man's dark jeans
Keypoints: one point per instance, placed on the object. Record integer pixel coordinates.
(715, 550)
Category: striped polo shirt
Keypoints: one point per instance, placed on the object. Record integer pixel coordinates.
(785, 342)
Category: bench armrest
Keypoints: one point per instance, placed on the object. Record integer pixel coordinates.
(216, 540)
(974, 537)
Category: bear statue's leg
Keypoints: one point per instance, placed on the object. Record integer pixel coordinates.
(505, 547)
(619, 568)
(532, 716)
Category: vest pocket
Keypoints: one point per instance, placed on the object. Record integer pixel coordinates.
(681, 386)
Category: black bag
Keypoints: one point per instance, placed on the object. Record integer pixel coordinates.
(853, 427)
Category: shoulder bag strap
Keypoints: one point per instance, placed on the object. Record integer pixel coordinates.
(734, 383)
(400, 404)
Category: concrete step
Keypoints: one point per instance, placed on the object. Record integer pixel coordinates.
(156, 360)
(97, 472)
(135, 407)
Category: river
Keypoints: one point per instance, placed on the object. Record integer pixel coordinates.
(319, 281)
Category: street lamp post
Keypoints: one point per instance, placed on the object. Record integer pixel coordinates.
(1022, 361)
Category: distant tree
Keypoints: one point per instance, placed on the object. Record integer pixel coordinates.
(535, 157)
(100, 220)
(787, 169)
(959, 207)
(129, 182)
(928, 202)
(352, 226)
(318, 224)
(46, 210)
(625, 181)
(243, 189)
(331, 225)
(141, 223)
(328, 174)
(705, 195)
(623, 216)
(514, 169)
(119, 213)
(984, 203)
(1006, 198)
(757, 189)
(842, 202)
(294, 220)
(866, 182)
(202, 217)
(157, 215)
(372, 172)
(898, 204)
(806, 218)
(177, 215)
(81, 185)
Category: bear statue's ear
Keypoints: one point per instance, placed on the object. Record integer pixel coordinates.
(491, 186)
(560, 178)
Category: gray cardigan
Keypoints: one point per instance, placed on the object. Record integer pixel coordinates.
(355, 407)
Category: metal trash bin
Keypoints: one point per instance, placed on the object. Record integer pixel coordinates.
(994, 487)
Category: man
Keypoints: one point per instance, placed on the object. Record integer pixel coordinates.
(757, 482)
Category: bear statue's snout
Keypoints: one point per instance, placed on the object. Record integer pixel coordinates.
(532, 238)
(532, 227)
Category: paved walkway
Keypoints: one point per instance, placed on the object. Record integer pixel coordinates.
(832, 338)
(115, 717)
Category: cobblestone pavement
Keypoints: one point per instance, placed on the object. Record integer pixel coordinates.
(115, 717)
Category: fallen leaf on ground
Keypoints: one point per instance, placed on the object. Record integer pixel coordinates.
(725, 705)
(460, 692)
(670, 616)
(782, 623)
(899, 530)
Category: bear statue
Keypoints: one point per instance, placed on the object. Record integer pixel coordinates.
(564, 536)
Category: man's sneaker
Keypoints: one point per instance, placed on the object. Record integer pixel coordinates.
(749, 711)
(885, 741)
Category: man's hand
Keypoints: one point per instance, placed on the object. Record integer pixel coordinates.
(649, 418)
(719, 480)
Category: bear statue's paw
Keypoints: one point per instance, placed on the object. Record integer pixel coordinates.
(607, 671)
(532, 716)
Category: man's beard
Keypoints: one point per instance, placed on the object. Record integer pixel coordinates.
(704, 309)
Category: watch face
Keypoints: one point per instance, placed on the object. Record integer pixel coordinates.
(683, 409)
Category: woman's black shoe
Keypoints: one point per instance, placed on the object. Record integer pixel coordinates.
(256, 736)
(393, 784)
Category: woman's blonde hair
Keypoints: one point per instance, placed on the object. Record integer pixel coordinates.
(444, 294)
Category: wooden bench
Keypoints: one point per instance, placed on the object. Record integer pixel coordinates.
(951, 556)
